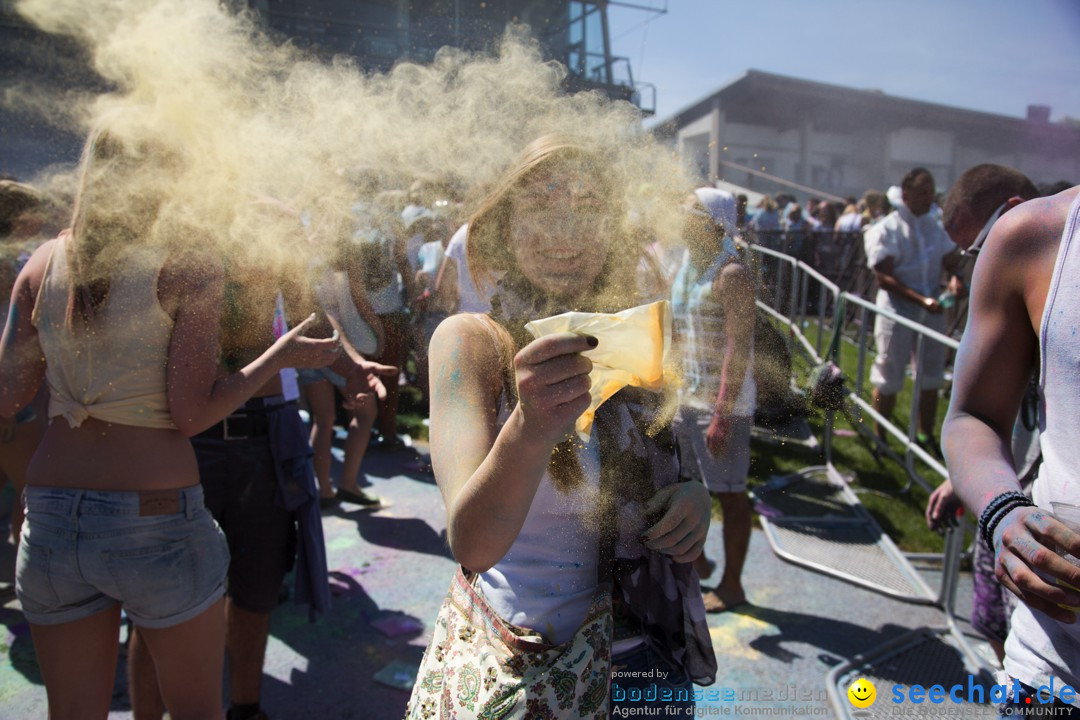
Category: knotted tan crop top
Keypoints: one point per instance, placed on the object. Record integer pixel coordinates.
(114, 370)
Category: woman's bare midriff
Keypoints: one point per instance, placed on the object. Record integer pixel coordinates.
(105, 456)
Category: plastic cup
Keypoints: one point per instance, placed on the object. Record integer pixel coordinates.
(1069, 516)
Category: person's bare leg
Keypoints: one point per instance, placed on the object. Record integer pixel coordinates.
(189, 658)
(928, 400)
(78, 663)
(18, 515)
(146, 702)
(356, 442)
(320, 399)
(420, 357)
(884, 404)
(736, 529)
(394, 353)
(703, 566)
(246, 641)
(15, 456)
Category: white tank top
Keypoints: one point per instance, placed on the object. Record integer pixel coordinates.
(117, 370)
(546, 580)
(701, 329)
(335, 295)
(1038, 647)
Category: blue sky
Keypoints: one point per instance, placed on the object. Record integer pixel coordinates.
(991, 55)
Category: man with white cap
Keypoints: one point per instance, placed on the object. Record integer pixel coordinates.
(713, 309)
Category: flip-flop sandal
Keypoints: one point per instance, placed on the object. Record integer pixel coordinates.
(362, 499)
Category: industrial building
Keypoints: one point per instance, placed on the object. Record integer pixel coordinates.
(841, 141)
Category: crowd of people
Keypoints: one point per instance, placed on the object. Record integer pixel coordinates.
(151, 426)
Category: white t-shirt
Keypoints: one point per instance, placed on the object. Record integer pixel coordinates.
(412, 250)
(916, 245)
(470, 299)
(851, 222)
(431, 256)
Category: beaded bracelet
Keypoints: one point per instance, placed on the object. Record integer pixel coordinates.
(997, 508)
(996, 511)
(997, 503)
(1001, 516)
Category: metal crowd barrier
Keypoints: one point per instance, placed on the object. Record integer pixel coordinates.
(800, 293)
(814, 519)
(837, 255)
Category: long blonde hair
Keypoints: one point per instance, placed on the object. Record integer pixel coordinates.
(488, 247)
(488, 250)
(119, 194)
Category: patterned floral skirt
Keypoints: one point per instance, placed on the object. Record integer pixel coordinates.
(480, 666)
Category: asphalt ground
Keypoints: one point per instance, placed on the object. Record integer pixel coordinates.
(390, 568)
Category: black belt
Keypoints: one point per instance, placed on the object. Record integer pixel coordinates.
(251, 420)
(239, 426)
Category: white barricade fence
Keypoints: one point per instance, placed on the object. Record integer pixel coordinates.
(796, 295)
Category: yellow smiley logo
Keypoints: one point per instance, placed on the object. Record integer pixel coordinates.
(862, 693)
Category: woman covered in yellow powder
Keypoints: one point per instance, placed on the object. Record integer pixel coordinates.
(573, 555)
(124, 331)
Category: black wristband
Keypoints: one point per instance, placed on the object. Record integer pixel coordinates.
(996, 504)
(988, 534)
(996, 511)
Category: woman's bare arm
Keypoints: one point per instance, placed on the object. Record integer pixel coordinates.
(358, 292)
(22, 364)
(488, 476)
(198, 397)
(446, 287)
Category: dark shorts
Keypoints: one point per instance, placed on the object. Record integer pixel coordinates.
(241, 490)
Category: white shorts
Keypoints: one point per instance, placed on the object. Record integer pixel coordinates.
(896, 344)
(724, 474)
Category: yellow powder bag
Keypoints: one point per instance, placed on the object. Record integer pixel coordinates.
(632, 350)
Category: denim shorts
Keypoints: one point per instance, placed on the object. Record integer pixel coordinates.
(84, 551)
(724, 474)
(308, 376)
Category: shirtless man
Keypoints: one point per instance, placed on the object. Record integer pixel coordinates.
(974, 203)
(1023, 311)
